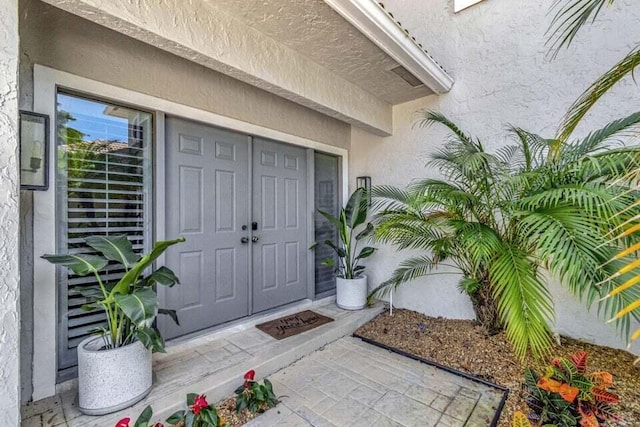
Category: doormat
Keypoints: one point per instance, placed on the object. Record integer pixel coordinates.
(293, 324)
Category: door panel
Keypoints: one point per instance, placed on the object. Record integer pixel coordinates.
(280, 210)
(207, 202)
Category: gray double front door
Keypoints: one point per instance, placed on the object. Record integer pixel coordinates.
(241, 203)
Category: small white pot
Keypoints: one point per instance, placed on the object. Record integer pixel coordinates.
(351, 294)
(111, 380)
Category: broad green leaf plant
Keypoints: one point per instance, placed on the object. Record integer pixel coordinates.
(511, 220)
(130, 303)
(570, 18)
(352, 230)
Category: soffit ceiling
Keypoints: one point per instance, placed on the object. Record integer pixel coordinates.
(315, 30)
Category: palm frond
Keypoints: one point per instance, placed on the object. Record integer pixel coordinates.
(408, 270)
(534, 147)
(429, 118)
(480, 242)
(571, 243)
(595, 199)
(600, 139)
(388, 197)
(523, 302)
(569, 19)
(590, 97)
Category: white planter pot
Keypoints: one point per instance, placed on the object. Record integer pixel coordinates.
(111, 380)
(351, 294)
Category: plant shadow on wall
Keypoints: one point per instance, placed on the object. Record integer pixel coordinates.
(504, 219)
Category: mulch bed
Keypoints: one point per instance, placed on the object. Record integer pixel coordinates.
(463, 345)
(227, 410)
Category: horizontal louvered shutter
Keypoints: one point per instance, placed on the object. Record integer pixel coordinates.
(103, 189)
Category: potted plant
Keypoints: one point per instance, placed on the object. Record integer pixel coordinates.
(114, 365)
(351, 283)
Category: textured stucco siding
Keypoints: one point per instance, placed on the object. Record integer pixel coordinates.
(495, 51)
(52, 37)
(205, 34)
(9, 214)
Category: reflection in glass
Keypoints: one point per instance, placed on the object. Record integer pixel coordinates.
(327, 198)
(103, 188)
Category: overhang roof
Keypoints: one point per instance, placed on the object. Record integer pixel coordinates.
(337, 63)
(355, 39)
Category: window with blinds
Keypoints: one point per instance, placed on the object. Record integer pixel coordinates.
(103, 187)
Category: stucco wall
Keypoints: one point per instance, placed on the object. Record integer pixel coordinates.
(9, 213)
(495, 51)
(52, 37)
(65, 42)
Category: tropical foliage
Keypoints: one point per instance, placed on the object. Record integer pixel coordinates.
(199, 413)
(130, 303)
(569, 19)
(520, 420)
(571, 16)
(351, 218)
(253, 396)
(567, 395)
(508, 220)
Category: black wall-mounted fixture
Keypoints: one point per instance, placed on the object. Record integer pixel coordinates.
(365, 183)
(34, 151)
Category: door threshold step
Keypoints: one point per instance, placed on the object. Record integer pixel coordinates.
(216, 367)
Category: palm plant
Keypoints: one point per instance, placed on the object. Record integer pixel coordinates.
(569, 19)
(506, 218)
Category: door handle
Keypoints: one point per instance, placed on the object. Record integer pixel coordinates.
(244, 240)
(254, 239)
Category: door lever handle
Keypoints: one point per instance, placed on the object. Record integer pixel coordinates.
(254, 239)
(244, 240)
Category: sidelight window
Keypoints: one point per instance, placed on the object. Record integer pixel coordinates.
(103, 187)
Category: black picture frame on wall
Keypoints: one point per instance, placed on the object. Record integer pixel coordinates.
(33, 131)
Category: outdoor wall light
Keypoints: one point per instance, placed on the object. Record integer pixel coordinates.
(365, 183)
(34, 151)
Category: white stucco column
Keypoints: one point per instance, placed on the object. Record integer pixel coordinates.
(9, 216)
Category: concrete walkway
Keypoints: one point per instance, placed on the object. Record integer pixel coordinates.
(212, 364)
(324, 378)
(353, 384)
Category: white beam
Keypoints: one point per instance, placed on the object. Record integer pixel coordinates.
(208, 36)
(9, 217)
(375, 23)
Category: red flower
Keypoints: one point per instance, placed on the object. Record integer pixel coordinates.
(250, 375)
(158, 425)
(123, 422)
(248, 378)
(199, 403)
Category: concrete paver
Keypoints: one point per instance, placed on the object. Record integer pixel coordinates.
(346, 382)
